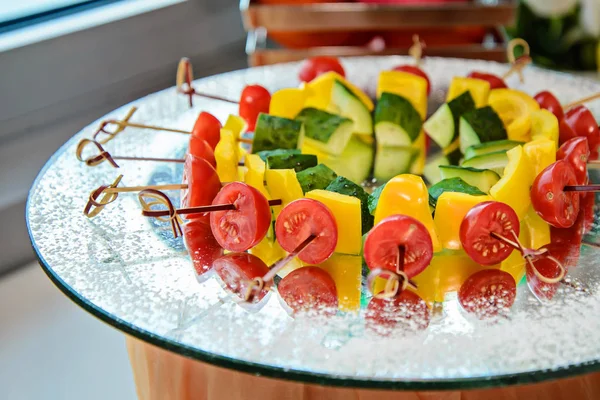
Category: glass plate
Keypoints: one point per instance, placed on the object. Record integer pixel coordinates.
(129, 272)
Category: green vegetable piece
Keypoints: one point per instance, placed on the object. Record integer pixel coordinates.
(314, 178)
(324, 131)
(273, 133)
(397, 122)
(374, 199)
(345, 186)
(266, 153)
(297, 162)
(480, 126)
(451, 185)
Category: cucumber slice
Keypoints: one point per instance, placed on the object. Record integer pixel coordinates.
(374, 199)
(318, 177)
(432, 168)
(273, 133)
(451, 185)
(351, 107)
(495, 161)
(266, 153)
(392, 161)
(297, 162)
(327, 132)
(483, 179)
(344, 186)
(490, 147)
(397, 122)
(442, 126)
(480, 126)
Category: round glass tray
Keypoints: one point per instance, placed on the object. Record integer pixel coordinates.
(128, 270)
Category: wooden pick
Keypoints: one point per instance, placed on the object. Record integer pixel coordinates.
(104, 155)
(416, 50)
(581, 101)
(112, 134)
(517, 63)
(184, 78)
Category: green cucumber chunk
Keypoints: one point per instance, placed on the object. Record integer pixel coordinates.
(495, 161)
(318, 177)
(443, 125)
(374, 199)
(490, 147)
(392, 161)
(273, 133)
(483, 179)
(480, 126)
(431, 172)
(266, 153)
(345, 186)
(297, 162)
(345, 103)
(324, 131)
(451, 185)
(397, 122)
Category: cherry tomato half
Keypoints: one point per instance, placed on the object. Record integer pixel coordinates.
(207, 127)
(412, 69)
(201, 149)
(583, 123)
(565, 243)
(486, 293)
(542, 290)
(237, 270)
(201, 245)
(203, 184)
(494, 80)
(242, 228)
(382, 246)
(476, 229)
(315, 66)
(407, 309)
(254, 100)
(547, 101)
(309, 289)
(549, 199)
(299, 220)
(576, 152)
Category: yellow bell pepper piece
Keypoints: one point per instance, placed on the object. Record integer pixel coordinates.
(287, 103)
(255, 174)
(513, 188)
(535, 231)
(541, 153)
(236, 124)
(544, 125)
(478, 88)
(283, 184)
(347, 213)
(346, 271)
(321, 87)
(410, 86)
(450, 211)
(227, 157)
(514, 109)
(268, 250)
(407, 194)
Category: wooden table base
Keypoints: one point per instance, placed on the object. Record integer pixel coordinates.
(160, 375)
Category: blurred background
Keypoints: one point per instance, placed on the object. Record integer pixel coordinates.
(65, 63)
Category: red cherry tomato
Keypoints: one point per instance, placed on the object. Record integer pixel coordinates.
(201, 245)
(542, 290)
(412, 69)
(302, 218)
(565, 132)
(476, 229)
(382, 246)
(547, 101)
(315, 66)
(201, 149)
(486, 293)
(407, 309)
(576, 152)
(207, 127)
(309, 289)
(587, 207)
(549, 199)
(203, 184)
(254, 100)
(565, 243)
(237, 270)
(242, 228)
(495, 81)
(583, 123)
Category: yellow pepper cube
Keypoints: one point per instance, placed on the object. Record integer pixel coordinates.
(321, 88)
(544, 125)
(535, 230)
(514, 109)
(346, 271)
(347, 213)
(515, 263)
(236, 124)
(479, 89)
(513, 188)
(227, 157)
(541, 153)
(407, 194)
(268, 250)
(255, 173)
(410, 86)
(450, 211)
(283, 184)
(287, 103)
